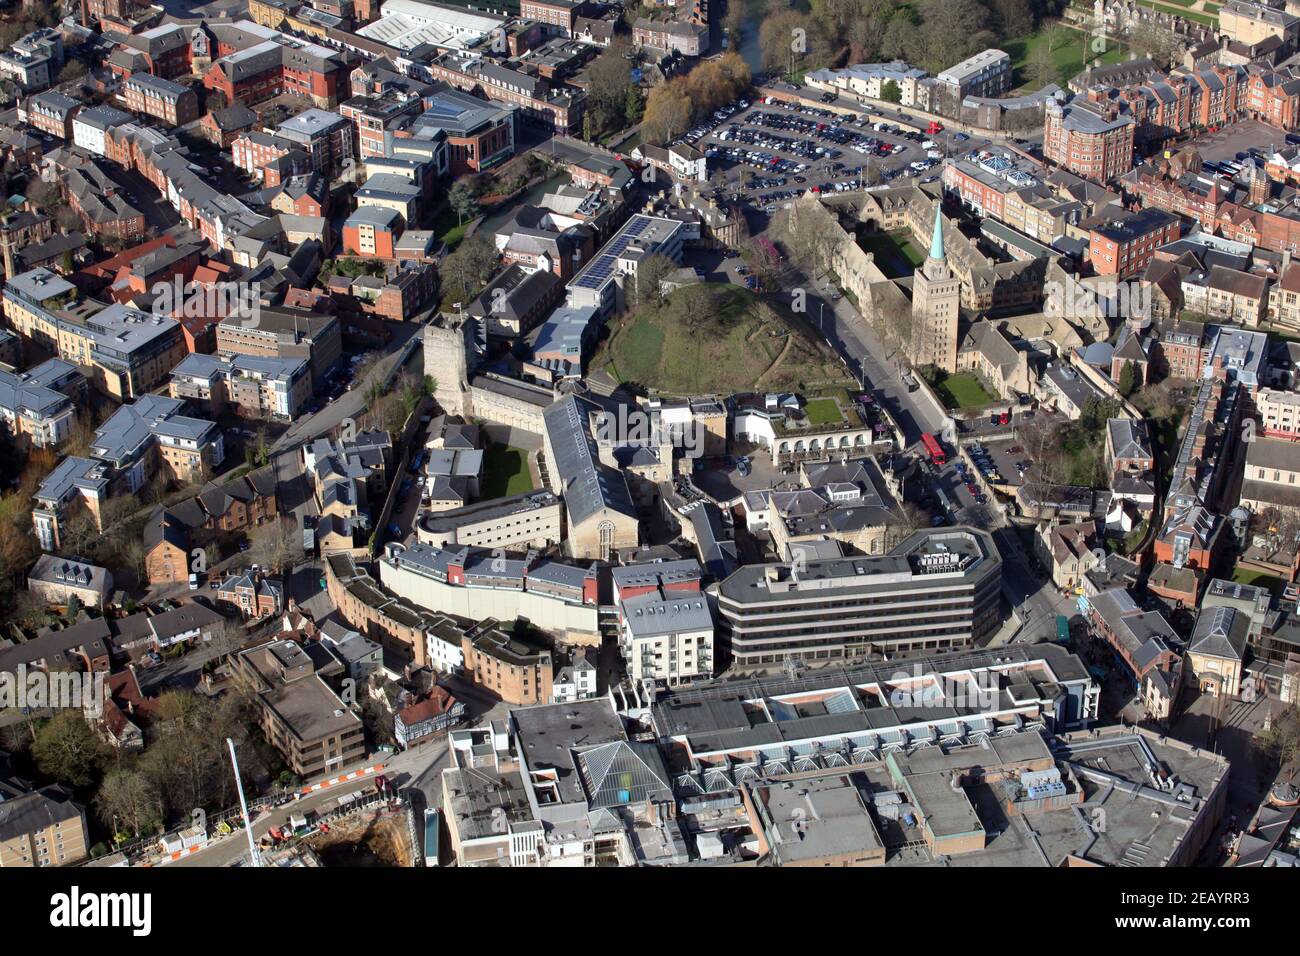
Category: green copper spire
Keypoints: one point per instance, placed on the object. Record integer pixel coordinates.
(936, 241)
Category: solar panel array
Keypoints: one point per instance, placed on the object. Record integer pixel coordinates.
(602, 267)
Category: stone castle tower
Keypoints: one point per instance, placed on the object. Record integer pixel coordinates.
(448, 343)
(936, 306)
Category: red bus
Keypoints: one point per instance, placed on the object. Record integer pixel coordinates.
(934, 450)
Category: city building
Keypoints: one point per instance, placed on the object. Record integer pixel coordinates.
(302, 717)
(165, 100)
(58, 580)
(937, 590)
(1088, 139)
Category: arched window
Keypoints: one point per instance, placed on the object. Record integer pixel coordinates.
(605, 534)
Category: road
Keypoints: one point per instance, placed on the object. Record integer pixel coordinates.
(350, 404)
(421, 766)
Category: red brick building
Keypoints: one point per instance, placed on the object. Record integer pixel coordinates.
(1123, 245)
(1092, 140)
(273, 67)
(163, 100)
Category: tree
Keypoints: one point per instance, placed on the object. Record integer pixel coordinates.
(891, 92)
(129, 799)
(467, 270)
(668, 113)
(1127, 379)
(1042, 66)
(902, 39)
(67, 749)
(650, 274)
(276, 546)
(463, 200)
(609, 83)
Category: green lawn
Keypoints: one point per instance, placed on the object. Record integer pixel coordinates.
(963, 390)
(1068, 56)
(738, 342)
(893, 252)
(505, 472)
(823, 411)
(1258, 579)
(448, 229)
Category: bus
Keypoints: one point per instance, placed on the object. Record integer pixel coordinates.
(1062, 629)
(934, 450)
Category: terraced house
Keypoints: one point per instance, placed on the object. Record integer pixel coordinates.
(164, 100)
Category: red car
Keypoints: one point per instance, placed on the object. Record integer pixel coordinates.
(1004, 418)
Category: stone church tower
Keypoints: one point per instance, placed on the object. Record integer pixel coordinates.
(936, 306)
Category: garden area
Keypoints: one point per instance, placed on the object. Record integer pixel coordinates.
(963, 390)
(823, 411)
(894, 253)
(505, 471)
(711, 338)
(1058, 50)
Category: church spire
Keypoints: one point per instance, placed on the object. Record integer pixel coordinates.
(936, 241)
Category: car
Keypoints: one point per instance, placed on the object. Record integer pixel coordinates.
(1004, 418)
(993, 419)
(938, 521)
(742, 469)
(395, 530)
(194, 582)
(982, 499)
(212, 585)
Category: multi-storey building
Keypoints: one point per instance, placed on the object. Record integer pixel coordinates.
(540, 103)
(529, 520)
(151, 433)
(164, 100)
(479, 134)
(33, 62)
(125, 352)
(325, 136)
(257, 386)
(1279, 413)
(275, 66)
(666, 635)
(1123, 244)
(985, 74)
(40, 827)
(555, 16)
(302, 717)
(1089, 139)
(90, 125)
(477, 583)
(937, 591)
(32, 404)
(508, 668)
(285, 334)
(51, 112)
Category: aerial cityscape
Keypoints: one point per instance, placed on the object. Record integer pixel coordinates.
(649, 433)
